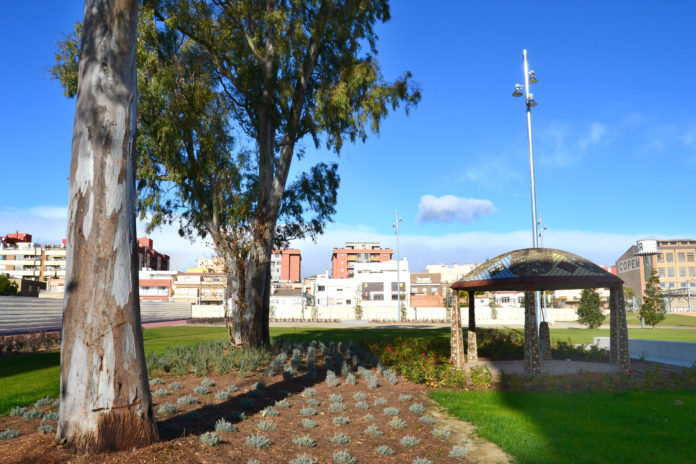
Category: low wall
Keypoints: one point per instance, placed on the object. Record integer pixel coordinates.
(28, 314)
(667, 352)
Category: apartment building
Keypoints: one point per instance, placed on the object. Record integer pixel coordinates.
(449, 274)
(427, 290)
(149, 258)
(21, 258)
(199, 288)
(343, 260)
(286, 266)
(156, 285)
(675, 263)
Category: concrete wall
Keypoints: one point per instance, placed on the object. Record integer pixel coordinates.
(25, 314)
(675, 353)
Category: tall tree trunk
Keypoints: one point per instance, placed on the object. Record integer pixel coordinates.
(105, 399)
(255, 319)
(236, 301)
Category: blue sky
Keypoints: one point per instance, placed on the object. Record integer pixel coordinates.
(614, 131)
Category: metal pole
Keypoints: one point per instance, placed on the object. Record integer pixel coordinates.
(398, 275)
(531, 173)
(688, 294)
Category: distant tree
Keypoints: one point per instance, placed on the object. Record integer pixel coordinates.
(358, 303)
(629, 294)
(653, 309)
(492, 305)
(7, 286)
(589, 309)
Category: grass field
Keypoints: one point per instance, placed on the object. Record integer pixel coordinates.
(28, 378)
(588, 427)
(676, 320)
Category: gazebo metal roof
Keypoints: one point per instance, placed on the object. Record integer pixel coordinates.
(536, 269)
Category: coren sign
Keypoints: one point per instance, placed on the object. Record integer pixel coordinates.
(628, 265)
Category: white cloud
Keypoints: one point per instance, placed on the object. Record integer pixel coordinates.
(448, 208)
(53, 212)
(560, 145)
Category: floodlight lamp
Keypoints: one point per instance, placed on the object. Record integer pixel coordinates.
(518, 91)
(530, 101)
(532, 78)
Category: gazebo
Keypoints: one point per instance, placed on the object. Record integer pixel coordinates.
(529, 270)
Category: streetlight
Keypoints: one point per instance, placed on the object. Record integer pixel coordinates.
(530, 78)
(398, 276)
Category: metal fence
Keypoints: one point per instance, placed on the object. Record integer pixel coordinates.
(25, 314)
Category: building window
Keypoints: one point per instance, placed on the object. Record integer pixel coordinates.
(683, 285)
(671, 285)
(505, 300)
(682, 272)
(661, 271)
(660, 258)
(670, 272)
(670, 257)
(347, 302)
(692, 272)
(663, 285)
(321, 288)
(689, 257)
(682, 257)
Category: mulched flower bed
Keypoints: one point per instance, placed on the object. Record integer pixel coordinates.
(181, 432)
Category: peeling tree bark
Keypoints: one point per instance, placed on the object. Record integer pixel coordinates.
(105, 399)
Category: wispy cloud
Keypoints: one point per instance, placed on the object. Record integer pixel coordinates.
(53, 212)
(448, 208)
(561, 145)
(499, 168)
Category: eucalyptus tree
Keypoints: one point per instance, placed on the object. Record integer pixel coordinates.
(105, 399)
(291, 69)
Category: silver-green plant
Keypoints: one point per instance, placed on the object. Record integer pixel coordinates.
(337, 407)
(50, 416)
(362, 405)
(210, 438)
(201, 390)
(340, 439)
(46, 429)
(9, 434)
(341, 420)
(384, 450)
(303, 459)
(308, 423)
(304, 441)
(331, 379)
(314, 403)
(426, 420)
(343, 457)
(18, 411)
(283, 403)
(409, 440)
(175, 386)
(167, 408)
(223, 426)
(391, 411)
(309, 392)
(417, 408)
(458, 452)
(156, 381)
(206, 382)
(266, 425)
(333, 398)
(350, 379)
(187, 399)
(32, 414)
(45, 401)
(360, 396)
(258, 441)
(232, 388)
(269, 411)
(160, 392)
(405, 397)
(222, 395)
(372, 382)
(397, 423)
(308, 412)
(373, 430)
(369, 417)
(443, 432)
(380, 401)
(422, 461)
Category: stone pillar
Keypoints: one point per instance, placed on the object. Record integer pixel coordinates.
(545, 340)
(532, 363)
(471, 348)
(623, 359)
(613, 335)
(456, 337)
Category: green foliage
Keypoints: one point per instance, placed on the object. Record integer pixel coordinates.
(210, 438)
(308, 423)
(653, 308)
(417, 408)
(223, 426)
(341, 420)
(9, 434)
(344, 457)
(397, 423)
(384, 450)
(7, 286)
(303, 459)
(373, 430)
(357, 308)
(258, 441)
(458, 452)
(409, 440)
(481, 377)
(340, 439)
(589, 309)
(304, 441)
(628, 297)
(443, 432)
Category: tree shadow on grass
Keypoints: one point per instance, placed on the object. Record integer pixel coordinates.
(24, 363)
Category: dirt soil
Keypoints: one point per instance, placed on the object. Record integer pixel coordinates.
(180, 432)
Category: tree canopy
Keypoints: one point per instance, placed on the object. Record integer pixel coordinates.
(653, 309)
(590, 309)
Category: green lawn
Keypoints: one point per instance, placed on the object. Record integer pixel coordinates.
(28, 378)
(588, 427)
(677, 320)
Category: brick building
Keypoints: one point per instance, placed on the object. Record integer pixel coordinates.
(427, 290)
(343, 260)
(286, 266)
(149, 258)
